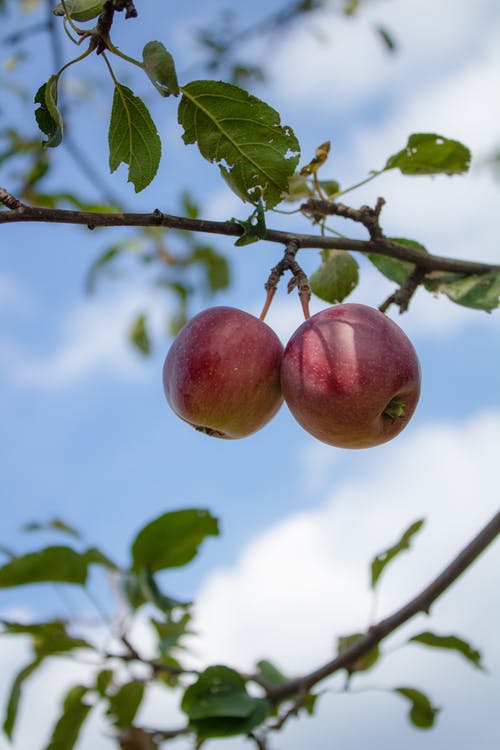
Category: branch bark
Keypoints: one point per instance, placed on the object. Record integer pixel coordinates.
(420, 603)
(19, 212)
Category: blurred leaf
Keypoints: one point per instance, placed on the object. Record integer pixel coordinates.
(58, 563)
(133, 138)
(74, 713)
(48, 638)
(138, 335)
(422, 712)
(381, 560)
(427, 153)
(243, 136)
(215, 264)
(160, 68)
(170, 632)
(141, 588)
(124, 704)
(218, 705)
(330, 187)
(451, 642)
(336, 277)
(47, 116)
(54, 525)
(94, 556)
(270, 673)
(102, 260)
(254, 228)
(299, 188)
(103, 680)
(387, 38)
(172, 540)
(481, 292)
(392, 268)
(363, 663)
(15, 696)
(190, 208)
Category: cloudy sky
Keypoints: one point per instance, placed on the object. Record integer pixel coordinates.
(86, 434)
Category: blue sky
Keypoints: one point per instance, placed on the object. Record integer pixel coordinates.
(86, 433)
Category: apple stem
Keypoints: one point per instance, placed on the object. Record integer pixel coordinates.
(267, 304)
(305, 296)
(299, 279)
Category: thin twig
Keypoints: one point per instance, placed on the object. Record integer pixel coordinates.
(402, 296)
(383, 246)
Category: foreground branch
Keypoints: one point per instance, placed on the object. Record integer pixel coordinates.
(19, 212)
(420, 603)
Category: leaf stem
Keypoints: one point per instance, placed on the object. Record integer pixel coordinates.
(109, 44)
(368, 179)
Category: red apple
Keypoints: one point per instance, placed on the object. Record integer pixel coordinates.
(222, 373)
(351, 376)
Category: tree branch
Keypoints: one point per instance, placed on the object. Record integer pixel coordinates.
(420, 603)
(19, 212)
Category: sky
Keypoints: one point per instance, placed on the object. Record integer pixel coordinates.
(86, 434)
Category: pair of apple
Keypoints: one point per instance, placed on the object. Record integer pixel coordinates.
(349, 375)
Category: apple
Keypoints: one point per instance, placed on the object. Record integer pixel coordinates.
(350, 376)
(222, 373)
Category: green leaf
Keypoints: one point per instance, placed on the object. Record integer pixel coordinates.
(381, 560)
(218, 705)
(133, 138)
(138, 335)
(392, 268)
(428, 153)
(15, 696)
(254, 228)
(58, 563)
(481, 292)
(363, 663)
(124, 704)
(67, 729)
(172, 540)
(451, 642)
(243, 136)
(80, 10)
(55, 525)
(422, 712)
(47, 116)
(336, 277)
(160, 68)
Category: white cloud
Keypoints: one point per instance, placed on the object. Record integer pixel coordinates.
(335, 64)
(301, 582)
(92, 338)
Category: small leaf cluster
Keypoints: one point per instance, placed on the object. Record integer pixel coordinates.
(218, 701)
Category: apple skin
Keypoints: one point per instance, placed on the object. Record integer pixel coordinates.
(341, 370)
(222, 373)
